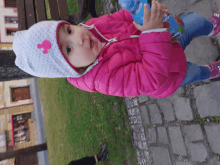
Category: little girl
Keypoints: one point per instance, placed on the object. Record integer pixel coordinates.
(114, 56)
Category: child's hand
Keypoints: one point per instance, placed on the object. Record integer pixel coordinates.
(153, 20)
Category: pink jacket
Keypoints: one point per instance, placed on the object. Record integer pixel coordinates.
(132, 63)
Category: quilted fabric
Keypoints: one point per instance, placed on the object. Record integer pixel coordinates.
(147, 63)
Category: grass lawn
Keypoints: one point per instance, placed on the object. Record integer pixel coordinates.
(78, 123)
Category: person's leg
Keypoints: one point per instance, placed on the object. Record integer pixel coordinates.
(194, 25)
(195, 73)
(87, 160)
(101, 156)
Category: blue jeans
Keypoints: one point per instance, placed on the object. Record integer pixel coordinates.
(195, 25)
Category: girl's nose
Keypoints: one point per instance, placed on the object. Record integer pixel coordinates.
(77, 40)
(80, 40)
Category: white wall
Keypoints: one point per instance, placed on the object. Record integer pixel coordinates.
(6, 12)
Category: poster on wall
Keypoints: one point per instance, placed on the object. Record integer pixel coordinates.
(21, 128)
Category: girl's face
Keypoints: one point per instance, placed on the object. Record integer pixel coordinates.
(79, 45)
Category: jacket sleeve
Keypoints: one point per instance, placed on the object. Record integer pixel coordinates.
(121, 15)
(136, 78)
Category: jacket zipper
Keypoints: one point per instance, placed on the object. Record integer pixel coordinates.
(111, 40)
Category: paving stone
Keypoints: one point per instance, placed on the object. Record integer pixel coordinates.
(175, 6)
(133, 120)
(198, 152)
(193, 132)
(136, 136)
(179, 93)
(138, 153)
(135, 128)
(213, 134)
(162, 135)
(177, 141)
(217, 3)
(135, 102)
(140, 144)
(155, 114)
(142, 98)
(211, 162)
(139, 121)
(152, 135)
(200, 50)
(144, 144)
(207, 99)
(183, 163)
(142, 154)
(131, 112)
(144, 115)
(196, 7)
(142, 136)
(218, 163)
(146, 153)
(183, 109)
(135, 143)
(139, 160)
(143, 162)
(167, 109)
(192, 1)
(137, 111)
(129, 103)
(141, 128)
(161, 156)
(201, 55)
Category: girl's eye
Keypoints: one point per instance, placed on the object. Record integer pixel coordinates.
(68, 49)
(69, 30)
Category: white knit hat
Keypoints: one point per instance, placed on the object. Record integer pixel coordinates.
(38, 53)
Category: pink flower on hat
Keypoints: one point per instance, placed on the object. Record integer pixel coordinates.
(46, 45)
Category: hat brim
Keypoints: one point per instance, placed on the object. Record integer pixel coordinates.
(58, 27)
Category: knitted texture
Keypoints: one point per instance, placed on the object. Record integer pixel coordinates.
(37, 51)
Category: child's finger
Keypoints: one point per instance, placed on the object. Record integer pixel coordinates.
(146, 16)
(160, 11)
(154, 10)
(137, 26)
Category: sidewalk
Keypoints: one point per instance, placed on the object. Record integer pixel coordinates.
(172, 131)
(39, 121)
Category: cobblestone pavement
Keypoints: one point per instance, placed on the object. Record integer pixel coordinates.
(182, 129)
